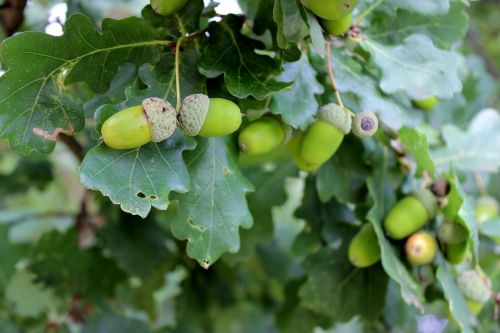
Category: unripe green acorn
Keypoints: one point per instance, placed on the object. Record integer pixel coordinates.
(261, 136)
(330, 9)
(325, 135)
(365, 124)
(474, 307)
(410, 214)
(427, 103)
(364, 250)
(167, 7)
(155, 120)
(452, 233)
(456, 253)
(475, 286)
(337, 27)
(486, 208)
(294, 148)
(209, 117)
(421, 248)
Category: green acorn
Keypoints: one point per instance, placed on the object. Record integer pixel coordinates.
(294, 148)
(456, 253)
(365, 124)
(364, 250)
(410, 214)
(330, 9)
(262, 136)
(426, 104)
(167, 7)
(324, 136)
(475, 286)
(337, 27)
(486, 208)
(452, 233)
(155, 120)
(209, 117)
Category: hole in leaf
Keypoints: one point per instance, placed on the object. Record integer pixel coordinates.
(153, 197)
(141, 195)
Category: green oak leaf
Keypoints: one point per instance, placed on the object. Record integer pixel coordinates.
(335, 288)
(352, 78)
(291, 26)
(108, 321)
(316, 32)
(246, 73)
(456, 301)
(425, 7)
(298, 105)
(34, 101)
(130, 177)
(475, 150)
(416, 67)
(415, 142)
(382, 193)
(444, 30)
(210, 214)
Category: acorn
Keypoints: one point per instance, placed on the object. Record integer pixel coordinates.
(294, 147)
(209, 117)
(337, 27)
(426, 104)
(452, 233)
(487, 208)
(155, 120)
(325, 135)
(365, 124)
(410, 214)
(421, 248)
(364, 250)
(262, 136)
(167, 7)
(476, 287)
(456, 253)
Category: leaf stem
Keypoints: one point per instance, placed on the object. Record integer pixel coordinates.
(480, 183)
(358, 18)
(177, 73)
(334, 82)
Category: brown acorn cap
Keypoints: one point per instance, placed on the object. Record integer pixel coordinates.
(162, 118)
(193, 113)
(428, 200)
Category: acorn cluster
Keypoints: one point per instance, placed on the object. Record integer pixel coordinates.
(334, 15)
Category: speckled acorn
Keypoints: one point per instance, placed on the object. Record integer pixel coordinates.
(476, 287)
(421, 248)
(426, 104)
(365, 124)
(155, 120)
(325, 135)
(337, 27)
(487, 208)
(261, 136)
(410, 214)
(330, 9)
(209, 117)
(167, 7)
(364, 250)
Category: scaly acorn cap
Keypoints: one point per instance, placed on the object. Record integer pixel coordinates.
(193, 113)
(475, 286)
(162, 118)
(428, 200)
(365, 124)
(336, 116)
(452, 233)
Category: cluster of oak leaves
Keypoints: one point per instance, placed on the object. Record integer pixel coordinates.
(156, 120)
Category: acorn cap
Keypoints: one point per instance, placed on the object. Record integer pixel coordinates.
(452, 233)
(365, 124)
(336, 116)
(193, 113)
(428, 200)
(475, 286)
(162, 118)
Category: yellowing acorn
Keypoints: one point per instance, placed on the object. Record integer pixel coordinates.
(167, 7)
(155, 120)
(294, 147)
(261, 136)
(209, 117)
(330, 9)
(364, 250)
(325, 135)
(426, 104)
(410, 214)
(421, 248)
(487, 208)
(337, 27)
